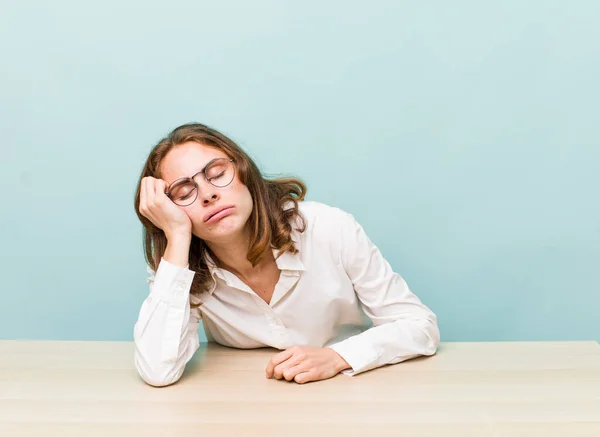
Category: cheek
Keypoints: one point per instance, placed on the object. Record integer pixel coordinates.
(242, 195)
(192, 212)
(195, 212)
(247, 202)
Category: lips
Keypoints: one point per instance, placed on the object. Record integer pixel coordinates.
(216, 211)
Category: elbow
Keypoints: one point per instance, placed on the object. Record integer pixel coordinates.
(157, 376)
(430, 347)
(160, 367)
(430, 340)
(157, 380)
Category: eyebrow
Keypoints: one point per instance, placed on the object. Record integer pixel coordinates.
(195, 173)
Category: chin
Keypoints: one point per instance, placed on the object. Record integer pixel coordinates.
(227, 227)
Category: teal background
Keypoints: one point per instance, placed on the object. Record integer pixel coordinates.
(463, 135)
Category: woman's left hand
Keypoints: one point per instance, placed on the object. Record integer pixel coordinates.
(304, 364)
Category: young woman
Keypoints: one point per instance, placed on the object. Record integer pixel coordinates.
(260, 266)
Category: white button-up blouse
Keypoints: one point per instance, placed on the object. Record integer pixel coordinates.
(337, 292)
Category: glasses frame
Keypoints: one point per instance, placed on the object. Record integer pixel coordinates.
(196, 188)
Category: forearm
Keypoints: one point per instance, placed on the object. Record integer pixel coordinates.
(161, 352)
(165, 333)
(389, 343)
(178, 249)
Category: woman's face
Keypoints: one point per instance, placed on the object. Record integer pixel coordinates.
(189, 158)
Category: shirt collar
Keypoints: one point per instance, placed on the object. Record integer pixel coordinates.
(289, 261)
(212, 266)
(286, 261)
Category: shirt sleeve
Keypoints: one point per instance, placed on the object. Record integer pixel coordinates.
(166, 332)
(403, 328)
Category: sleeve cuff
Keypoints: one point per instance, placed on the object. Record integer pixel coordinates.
(360, 356)
(172, 283)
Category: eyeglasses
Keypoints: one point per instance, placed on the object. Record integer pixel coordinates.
(219, 172)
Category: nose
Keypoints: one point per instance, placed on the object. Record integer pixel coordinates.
(207, 192)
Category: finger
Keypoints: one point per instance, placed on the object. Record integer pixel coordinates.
(152, 187)
(293, 361)
(277, 359)
(142, 192)
(292, 371)
(144, 197)
(149, 191)
(304, 377)
(161, 187)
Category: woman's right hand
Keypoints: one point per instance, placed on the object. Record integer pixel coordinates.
(161, 211)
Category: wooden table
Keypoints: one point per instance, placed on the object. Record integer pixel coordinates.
(88, 389)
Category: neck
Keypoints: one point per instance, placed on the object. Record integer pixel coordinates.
(231, 255)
